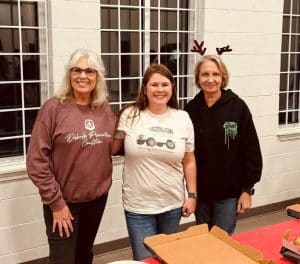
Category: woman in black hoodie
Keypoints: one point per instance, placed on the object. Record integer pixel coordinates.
(227, 150)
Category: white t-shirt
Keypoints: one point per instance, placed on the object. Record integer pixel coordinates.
(153, 180)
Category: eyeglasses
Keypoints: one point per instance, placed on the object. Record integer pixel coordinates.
(76, 71)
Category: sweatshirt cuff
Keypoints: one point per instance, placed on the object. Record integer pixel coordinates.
(58, 205)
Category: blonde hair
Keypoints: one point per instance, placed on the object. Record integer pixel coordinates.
(220, 64)
(100, 93)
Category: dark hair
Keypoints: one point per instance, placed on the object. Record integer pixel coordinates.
(220, 64)
(141, 101)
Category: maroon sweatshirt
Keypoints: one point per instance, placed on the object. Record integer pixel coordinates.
(69, 154)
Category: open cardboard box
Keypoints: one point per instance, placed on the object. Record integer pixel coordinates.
(288, 243)
(197, 245)
(294, 210)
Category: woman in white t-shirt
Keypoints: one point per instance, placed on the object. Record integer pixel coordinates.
(158, 141)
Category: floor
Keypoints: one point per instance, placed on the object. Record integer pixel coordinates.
(242, 226)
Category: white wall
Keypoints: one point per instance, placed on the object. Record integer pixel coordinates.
(253, 30)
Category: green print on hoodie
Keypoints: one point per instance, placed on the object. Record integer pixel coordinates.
(230, 131)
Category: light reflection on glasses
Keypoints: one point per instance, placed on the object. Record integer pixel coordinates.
(76, 71)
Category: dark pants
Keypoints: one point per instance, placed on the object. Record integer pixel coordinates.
(221, 213)
(78, 248)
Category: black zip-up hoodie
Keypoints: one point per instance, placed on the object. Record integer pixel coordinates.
(226, 146)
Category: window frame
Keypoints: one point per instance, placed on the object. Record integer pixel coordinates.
(144, 30)
(14, 166)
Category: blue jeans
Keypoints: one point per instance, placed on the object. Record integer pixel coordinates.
(220, 213)
(141, 226)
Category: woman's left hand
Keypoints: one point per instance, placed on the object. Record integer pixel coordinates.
(189, 207)
(244, 203)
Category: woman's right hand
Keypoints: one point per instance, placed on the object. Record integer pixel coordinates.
(63, 220)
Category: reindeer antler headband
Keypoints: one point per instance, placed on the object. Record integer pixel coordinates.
(201, 50)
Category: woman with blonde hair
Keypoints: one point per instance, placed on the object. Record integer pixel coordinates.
(69, 158)
(227, 150)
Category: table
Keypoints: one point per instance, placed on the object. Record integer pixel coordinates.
(268, 239)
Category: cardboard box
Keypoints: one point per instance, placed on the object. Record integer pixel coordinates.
(294, 210)
(197, 245)
(288, 243)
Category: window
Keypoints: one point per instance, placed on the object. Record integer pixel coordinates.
(134, 35)
(23, 75)
(289, 110)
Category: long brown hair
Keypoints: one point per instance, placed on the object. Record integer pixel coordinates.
(141, 101)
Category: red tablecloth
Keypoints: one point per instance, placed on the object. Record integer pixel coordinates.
(268, 239)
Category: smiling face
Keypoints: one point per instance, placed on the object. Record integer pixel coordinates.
(158, 90)
(83, 82)
(210, 78)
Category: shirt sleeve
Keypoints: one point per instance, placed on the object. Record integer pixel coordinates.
(123, 123)
(190, 139)
(38, 162)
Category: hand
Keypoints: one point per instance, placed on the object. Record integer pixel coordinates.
(63, 220)
(189, 207)
(244, 203)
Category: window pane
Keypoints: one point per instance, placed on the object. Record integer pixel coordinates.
(109, 42)
(285, 43)
(168, 20)
(129, 2)
(293, 117)
(129, 18)
(11, 123)
(9, 13)
(295, 62)
(31, 67)
(287, 6)
(296, 24)
(30, 40)
(109, 18)
(113, 88)
(282, 101)
(11, 147)
(111, 64)
(284, 62)
(130, 65)
(10, 96)
(32, 94)
(296, 7)
(30, 116)
(154, 3)
(10, 68)
(184, 4)
(281, 118)
(130, 42)
(293, 100)
(9, 40)
(286, 24)
(294, 81)
(168, 3)
(153, 20)
(167, 41)
(181, 86)
(183, 20)
(295, 43)
(129, 89)
(183, 66)
(109, 2)
(30, 19)
(283, 81)
(154, 42)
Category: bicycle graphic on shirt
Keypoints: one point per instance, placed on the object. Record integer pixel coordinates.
(158, 136)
